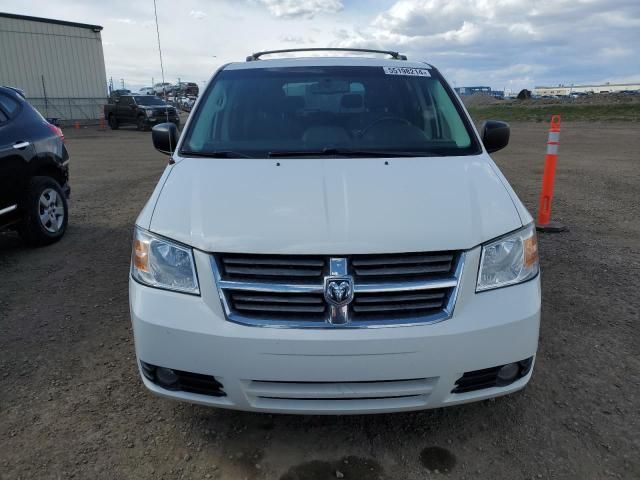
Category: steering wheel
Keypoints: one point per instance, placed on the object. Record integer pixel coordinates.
(382, 120)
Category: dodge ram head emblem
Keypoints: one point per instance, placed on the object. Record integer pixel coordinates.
(338, 291)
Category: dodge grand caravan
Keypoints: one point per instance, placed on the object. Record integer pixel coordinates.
(331, 236)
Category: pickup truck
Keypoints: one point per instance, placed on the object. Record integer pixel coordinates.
(186, 89)
(143, 111)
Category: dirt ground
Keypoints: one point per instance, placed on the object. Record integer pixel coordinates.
(72, 405)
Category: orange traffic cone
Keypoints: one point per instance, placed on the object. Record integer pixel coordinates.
(76, 125)
(545, 224)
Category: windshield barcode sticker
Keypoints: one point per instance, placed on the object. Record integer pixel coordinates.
(414, 72)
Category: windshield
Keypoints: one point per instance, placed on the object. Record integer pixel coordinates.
(329, 110)
(148, 100)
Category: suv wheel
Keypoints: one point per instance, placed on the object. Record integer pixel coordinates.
(45, 212)
(113, 122)
(141, 123)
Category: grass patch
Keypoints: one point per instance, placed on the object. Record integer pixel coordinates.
(542, 113)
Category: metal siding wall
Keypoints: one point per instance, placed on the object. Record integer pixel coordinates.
(70, 58)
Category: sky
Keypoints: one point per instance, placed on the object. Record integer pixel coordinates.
(505, 44)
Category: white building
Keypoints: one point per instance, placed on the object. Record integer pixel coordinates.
(564, 90)
(58, 64)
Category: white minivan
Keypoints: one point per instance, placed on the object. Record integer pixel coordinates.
(331, 236)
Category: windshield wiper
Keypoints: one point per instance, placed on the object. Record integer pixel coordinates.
(347, 152)
(214, 154)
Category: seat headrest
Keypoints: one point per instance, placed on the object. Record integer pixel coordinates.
(270, 100)
(293, 103)
(375, 101)
(351, 100)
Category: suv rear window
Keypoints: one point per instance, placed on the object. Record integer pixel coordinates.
(8, 105)
(259, 111)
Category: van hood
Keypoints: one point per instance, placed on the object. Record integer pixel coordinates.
(334, 205)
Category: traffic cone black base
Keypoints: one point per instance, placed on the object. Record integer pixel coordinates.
(551, 227)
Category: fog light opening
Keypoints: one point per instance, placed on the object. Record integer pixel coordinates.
(167, 378)
(525, 366)
(149, 371)
(507, 374)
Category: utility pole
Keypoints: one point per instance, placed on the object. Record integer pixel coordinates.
(122, 82)
(46, 100)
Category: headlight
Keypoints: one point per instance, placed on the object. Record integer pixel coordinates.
(509, 260)
(160, 263)
(149, 112)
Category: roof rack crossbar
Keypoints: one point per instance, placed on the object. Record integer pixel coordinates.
(394, 55)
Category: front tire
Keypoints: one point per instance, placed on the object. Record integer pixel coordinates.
(141, 123)
(45, 211)
(113, 122)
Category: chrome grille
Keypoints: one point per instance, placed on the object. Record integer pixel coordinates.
(421, 302)
(267, 303)
(163, 111)
(405, 266)
(289, 290)
(272, 267)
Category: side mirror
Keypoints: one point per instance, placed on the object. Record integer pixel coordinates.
(495, 135)
(165, 137)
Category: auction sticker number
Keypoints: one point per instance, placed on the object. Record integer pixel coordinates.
(413, 72)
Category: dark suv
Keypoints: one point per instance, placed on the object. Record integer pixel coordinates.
(143, 111)
(34, 172)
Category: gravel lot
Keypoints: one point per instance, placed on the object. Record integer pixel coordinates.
(72, 405)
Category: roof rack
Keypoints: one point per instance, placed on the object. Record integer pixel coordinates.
(394, 55)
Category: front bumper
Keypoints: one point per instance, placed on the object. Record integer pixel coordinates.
(335, 371)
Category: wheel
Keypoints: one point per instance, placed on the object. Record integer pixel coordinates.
(45, 212)
(113, 122)
(141, 124)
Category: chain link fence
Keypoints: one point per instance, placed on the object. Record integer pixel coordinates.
(66, 111)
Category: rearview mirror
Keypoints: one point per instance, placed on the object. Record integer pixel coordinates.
(165, 137)
(495, 135)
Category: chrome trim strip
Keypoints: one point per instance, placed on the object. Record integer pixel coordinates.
(443, 315)
(451, 304)
(21, 145)
(405, 286)
(358, 288)
(8, 209)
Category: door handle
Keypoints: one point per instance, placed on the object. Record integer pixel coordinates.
(21, 145)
